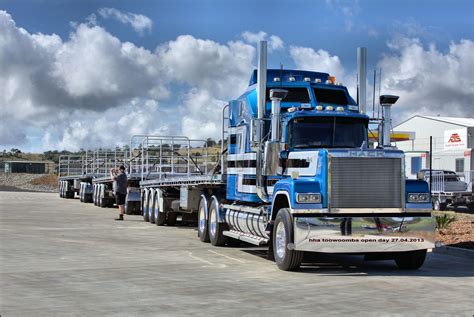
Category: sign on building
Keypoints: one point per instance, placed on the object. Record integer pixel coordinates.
(455, 139)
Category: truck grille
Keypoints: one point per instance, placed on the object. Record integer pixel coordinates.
(365, 182)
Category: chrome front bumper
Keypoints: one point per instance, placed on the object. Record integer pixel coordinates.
(364, 234)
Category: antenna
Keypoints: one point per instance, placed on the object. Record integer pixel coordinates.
(373, 95)
(380, 85)
(281, 74)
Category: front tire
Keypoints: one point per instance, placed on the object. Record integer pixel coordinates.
(411, 260)
(286, 259)
(215, 228)
(203, 213)
(438, 205)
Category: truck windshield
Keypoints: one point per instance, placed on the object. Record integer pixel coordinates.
(326, 132)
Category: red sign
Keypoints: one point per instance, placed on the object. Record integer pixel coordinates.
(467, 153)
(455, 138)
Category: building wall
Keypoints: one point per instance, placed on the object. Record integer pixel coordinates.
(444, 157)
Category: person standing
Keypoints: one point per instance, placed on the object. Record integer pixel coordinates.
(119, 178)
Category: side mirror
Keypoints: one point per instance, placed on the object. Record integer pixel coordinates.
(283, 160)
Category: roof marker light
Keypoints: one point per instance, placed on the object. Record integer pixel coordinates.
(319, 107)
(328, 82)
(317, 80)
(307, 79)
(330, 108)
(332, 79)
(291, 78)
(340, 109)
(340, 84)
(277, 79)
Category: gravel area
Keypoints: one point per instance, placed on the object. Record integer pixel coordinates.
(23, 182)
(460, 233)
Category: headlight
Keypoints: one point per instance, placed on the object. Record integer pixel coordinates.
(418, 198)
(309, 198)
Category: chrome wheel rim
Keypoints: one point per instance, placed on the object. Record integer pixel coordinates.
(280, 240)
(202, 220)
(145, 206)
(150, 208)
(212, 222)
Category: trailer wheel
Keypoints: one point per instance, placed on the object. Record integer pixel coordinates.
(102, 200)
(94, 195)
(215, 228)
(438, 205)
(471, 207)
(152, 204)
(203, 210)
(411, 260)
(82, 193)
(286, 259)
(171, 218)
(146, 205)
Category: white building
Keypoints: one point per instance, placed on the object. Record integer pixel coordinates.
(452, 143)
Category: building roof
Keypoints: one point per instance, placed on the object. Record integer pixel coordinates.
(464, 122)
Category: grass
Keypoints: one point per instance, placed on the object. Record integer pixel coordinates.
(443, 221)
(50, 180)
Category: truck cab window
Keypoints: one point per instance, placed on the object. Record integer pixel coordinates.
(326, 132)
(294, 95)
(332, 96)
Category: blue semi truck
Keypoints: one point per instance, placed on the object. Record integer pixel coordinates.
(296, 174)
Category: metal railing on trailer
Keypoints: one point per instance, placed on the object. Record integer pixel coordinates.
(95, 163)
(164, 157)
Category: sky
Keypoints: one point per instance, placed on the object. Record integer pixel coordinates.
(77, 74)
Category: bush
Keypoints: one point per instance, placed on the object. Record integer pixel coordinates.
(443, 221)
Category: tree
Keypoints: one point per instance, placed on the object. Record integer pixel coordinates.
(210, 142)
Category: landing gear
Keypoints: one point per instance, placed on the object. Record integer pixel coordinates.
(287, 259)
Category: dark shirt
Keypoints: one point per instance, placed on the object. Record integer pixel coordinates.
(120, 183)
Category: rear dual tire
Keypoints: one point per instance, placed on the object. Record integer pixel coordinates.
(203, 214)
(215, 228)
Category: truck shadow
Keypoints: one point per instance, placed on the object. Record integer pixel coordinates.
(355, 265)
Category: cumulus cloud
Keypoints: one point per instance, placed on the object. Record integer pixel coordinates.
(429, 81)
(274, 42)
(114, 127)
(322, 61)
(223, 69)
(139, 22)
(89, 90)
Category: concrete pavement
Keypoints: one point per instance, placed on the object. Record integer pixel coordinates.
(61, 257)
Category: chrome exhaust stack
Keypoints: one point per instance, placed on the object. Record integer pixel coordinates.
(362, 69)
(261, 100)
(386, 102)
